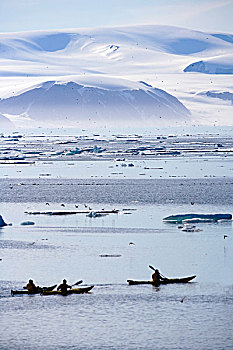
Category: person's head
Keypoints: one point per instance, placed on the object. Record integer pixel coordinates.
(64, 281)
(31, 281)
(156, 270)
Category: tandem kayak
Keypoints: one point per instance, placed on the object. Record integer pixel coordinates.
(80, 290)
(165, 281)
(39, 291)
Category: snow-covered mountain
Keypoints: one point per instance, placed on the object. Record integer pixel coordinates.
(105, 51)
(83, 75)
(83, 103)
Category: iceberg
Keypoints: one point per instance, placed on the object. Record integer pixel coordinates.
(198, 217)
(2, 222)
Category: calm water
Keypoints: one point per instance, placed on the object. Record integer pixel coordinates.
(166, 167)
(115, 315)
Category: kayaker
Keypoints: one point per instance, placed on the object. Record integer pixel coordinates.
(156, 277)
(31, 287)
(63, 287)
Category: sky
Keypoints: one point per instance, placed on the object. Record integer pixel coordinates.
(27, 15)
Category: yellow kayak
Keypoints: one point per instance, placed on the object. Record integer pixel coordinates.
(80, 290)
(39, 290)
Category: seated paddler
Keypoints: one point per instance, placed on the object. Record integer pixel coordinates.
(63, 287)
(31, 287)
(156, 277)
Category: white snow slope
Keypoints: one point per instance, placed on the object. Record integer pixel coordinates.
(5, 122)
(115, 75)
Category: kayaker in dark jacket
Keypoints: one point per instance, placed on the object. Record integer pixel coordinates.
(63, 287)
(156, 277)
(31, 287)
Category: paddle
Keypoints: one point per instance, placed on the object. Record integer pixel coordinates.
(152, 268)
(75, 284)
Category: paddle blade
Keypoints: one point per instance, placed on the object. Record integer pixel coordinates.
(151, 267)
(79, 282)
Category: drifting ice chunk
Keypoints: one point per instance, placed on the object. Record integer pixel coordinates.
(190, 228)
(203, 217)
(94, 214)
(27, 223)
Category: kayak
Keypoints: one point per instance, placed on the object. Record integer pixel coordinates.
(165, 281)
(80, 290)
(39, 291)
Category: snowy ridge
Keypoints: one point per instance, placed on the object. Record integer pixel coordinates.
(216, 65)
(222, 95)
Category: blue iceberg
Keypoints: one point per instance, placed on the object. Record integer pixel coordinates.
(2, 222)
(176, 219)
